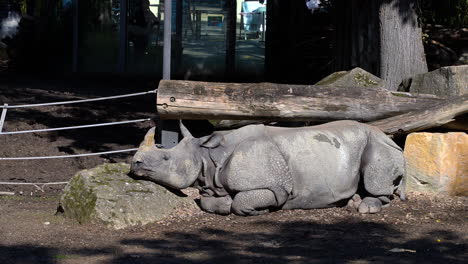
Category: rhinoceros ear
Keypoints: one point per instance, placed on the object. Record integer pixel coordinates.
(211, 141)
(184, 130)
(149, 139)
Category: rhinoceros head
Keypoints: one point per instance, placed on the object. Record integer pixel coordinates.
(177, 168)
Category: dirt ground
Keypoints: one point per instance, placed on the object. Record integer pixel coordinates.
(423, 229)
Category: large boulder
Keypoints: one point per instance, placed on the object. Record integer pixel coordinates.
(437, 163)
(356, 77)
(446, 81)
(106, 194)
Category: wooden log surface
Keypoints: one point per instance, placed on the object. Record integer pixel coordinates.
(269, 101)
(433, 116)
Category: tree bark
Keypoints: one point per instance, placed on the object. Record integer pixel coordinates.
(268, 101)
(381, 36)
(402, 51)
(285, 27)
(433, 116)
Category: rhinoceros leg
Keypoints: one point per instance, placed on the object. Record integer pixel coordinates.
(216, 205)
(368, 205)
(355, 201)
(254, 202)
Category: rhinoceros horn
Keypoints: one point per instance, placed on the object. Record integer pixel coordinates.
(148, 142)
(184, 130)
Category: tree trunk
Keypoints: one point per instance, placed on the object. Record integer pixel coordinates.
(284, 30)
(357, 35)
(269, 101)
(382, 37)
(402, 51)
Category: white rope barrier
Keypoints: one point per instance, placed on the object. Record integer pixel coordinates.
(5, 107)
(71, 156)
(39, 185)
(76, 127)
(33, 183)
(77, 101)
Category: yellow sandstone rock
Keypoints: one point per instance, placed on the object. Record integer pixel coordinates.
(437, 163)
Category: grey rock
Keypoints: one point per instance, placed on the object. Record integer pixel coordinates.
(463, 59)
(356, 77)
(445, 82)
(106, 194)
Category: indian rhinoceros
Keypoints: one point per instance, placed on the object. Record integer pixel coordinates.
(257, 168)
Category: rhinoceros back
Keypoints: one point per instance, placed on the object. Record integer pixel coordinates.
(324, 161)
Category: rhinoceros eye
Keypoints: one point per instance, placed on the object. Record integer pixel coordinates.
(165, 157)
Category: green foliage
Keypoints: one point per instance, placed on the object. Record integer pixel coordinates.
(451, 13)
(22, 4)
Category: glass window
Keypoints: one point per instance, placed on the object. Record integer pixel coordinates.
(99, 34)
(199, 49)
(250, 44)
(145, 36)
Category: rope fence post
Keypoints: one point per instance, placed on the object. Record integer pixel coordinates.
(2, 118)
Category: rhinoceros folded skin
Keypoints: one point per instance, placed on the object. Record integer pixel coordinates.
(255, 168)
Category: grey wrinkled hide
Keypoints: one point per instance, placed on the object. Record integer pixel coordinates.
(256, 168)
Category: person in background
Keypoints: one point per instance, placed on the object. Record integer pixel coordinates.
(313, 5)
(142, 25)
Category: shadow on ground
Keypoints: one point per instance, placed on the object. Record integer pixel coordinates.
(266, 242)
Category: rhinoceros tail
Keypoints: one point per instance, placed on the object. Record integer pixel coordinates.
(388, 141)
(384, 167)
(400, 189)
(399, 162)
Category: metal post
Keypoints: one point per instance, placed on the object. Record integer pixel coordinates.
(123, 35)
(230, 25)
(76, 20)
(2, 118)
(167, 39)
(197, 24)
(168, 129)
(263, 26)
(178, 34)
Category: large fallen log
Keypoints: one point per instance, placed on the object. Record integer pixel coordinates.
(433, 116)
(285, 102)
